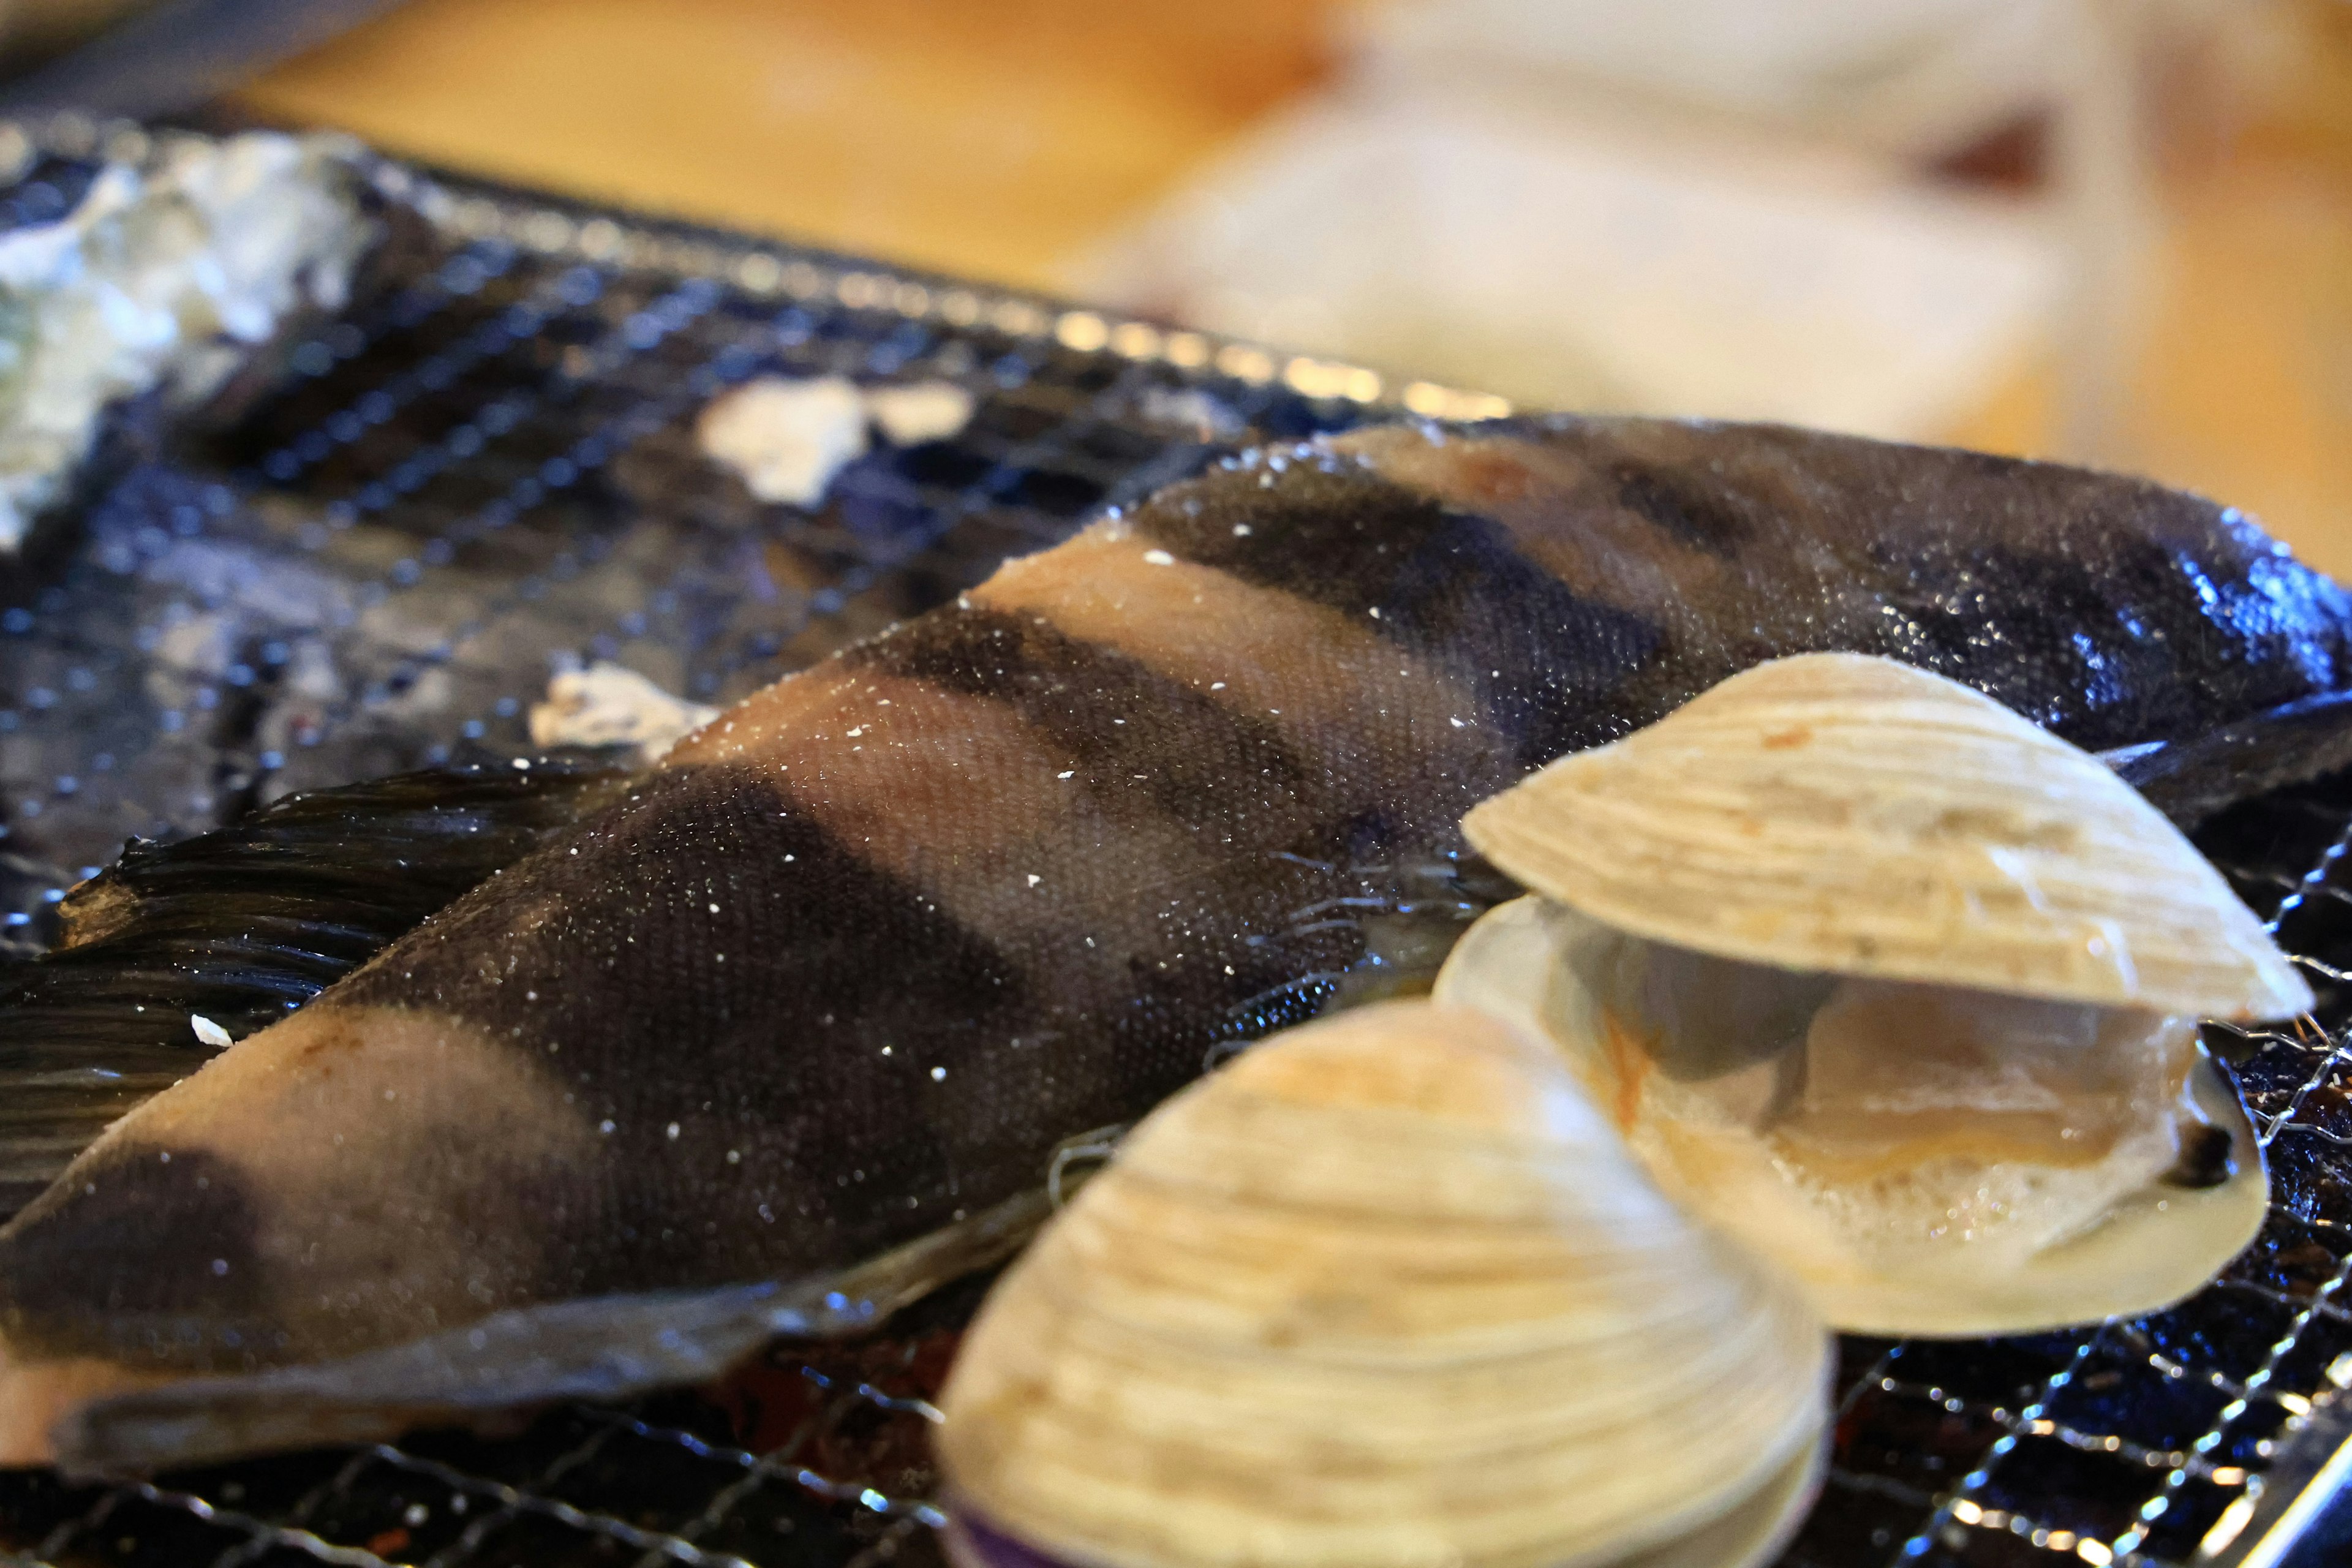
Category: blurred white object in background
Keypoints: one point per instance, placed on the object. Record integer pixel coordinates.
(788, 439)
(1912, 77)
(785, 438)
(1598, 271)
(610, 704)
(163, 273)
(1718, 207)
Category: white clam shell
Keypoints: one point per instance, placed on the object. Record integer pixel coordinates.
(2155, 1245)
(1854, 815)
(1387, 1291)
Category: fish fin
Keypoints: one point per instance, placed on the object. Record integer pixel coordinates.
(238, 927)
(601, 1348)
(2190, 779)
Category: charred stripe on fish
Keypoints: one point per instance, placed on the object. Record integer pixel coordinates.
(1119, 721)
(1441, 581)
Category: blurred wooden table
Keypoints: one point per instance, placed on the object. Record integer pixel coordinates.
(996, 137)
(987, 137)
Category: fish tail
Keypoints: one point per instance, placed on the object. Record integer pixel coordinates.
(238, 927)
(2192, 778)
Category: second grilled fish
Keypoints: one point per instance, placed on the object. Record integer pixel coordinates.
(790, 1029)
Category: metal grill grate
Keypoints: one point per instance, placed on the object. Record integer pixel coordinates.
(489, 467)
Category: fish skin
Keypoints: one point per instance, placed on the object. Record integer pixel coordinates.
(891, 930)
(241, 926)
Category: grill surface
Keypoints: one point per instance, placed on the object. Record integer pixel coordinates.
(487, 469)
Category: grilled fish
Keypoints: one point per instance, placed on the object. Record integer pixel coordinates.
(785, 1031)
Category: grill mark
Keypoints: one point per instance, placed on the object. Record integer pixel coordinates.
(1128, 727)
(1451, 585)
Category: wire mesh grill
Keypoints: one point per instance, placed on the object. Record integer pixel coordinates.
(487, 469)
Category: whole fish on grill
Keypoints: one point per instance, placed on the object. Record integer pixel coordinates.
(784, 1032)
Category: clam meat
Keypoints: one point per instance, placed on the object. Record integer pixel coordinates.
(1898, 987)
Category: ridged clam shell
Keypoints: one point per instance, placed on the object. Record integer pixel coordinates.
(1386, 1291)
(1852, 814)
(2145, 1252)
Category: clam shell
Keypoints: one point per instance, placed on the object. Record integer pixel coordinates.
(2152, 1249)
(1387, 1290)
(1852, 814)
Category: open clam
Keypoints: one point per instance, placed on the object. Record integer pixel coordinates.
(1896, 987)
(1387, 1291)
